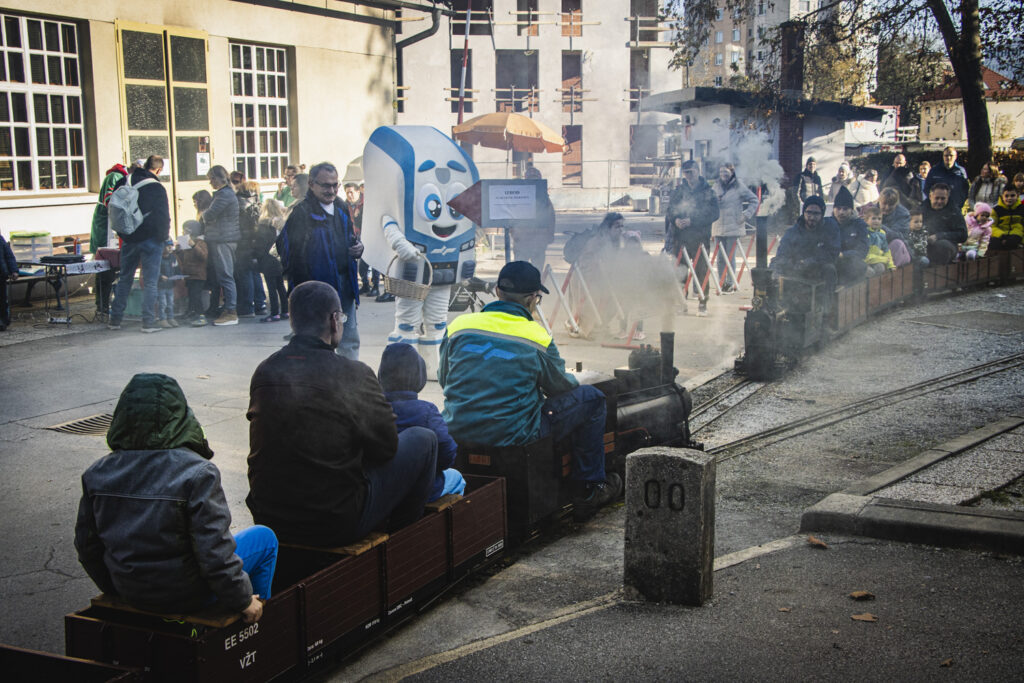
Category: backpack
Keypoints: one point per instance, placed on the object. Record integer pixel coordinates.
(123, 214)
(573, 248)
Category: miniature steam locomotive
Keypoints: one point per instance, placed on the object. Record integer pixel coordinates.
(790, 316)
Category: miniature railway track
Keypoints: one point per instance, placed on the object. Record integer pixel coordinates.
(818, 421)
(745, 388)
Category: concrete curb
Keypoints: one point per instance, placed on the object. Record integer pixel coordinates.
(856, 512)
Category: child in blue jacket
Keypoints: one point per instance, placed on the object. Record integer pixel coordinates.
(402, 375)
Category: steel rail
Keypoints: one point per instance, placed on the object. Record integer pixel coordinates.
(830, 417)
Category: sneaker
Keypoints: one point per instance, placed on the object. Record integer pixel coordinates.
(385, 298)
(228, 318)
(149, 328)
(728, 289)
(200, 321)
(260, 310)
(597, 496)
(164, 324)
(173, 322)
(114, 325)
(373, 291)
(270, 319)
(702, 309)
(284, 316)
(365, 289)
(250, 314)
(639, 336)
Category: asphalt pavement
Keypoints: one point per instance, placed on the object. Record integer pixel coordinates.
(554, 609)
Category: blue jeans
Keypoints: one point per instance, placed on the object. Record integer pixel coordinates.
(147, 254)
(166, 299)
(257, 546)
(222, 259)
(579, 414)
(398, 489)
(349, 344)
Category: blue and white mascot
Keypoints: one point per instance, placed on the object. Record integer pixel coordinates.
(411, 173)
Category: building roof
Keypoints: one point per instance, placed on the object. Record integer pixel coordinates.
(675, 101)
(996, 85)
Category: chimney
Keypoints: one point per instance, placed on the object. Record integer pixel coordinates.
(791, 81)
(792, 59)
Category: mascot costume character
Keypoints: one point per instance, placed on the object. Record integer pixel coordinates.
(411, 173)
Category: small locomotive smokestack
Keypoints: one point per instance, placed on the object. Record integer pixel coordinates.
(668, 357)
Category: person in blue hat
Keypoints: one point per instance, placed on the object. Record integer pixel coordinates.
(505, 385)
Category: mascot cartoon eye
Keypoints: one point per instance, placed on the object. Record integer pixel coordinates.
(429, 202)
(454, 190)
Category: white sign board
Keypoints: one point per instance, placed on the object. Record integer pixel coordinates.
(874, 132)
(512, 202)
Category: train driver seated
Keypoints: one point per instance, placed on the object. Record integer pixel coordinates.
(153, 521)
(809, 248)
(326, 463)
(505, 385)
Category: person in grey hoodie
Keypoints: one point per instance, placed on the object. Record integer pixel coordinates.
(220, 221)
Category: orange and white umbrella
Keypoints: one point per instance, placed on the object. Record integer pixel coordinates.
(505, 130)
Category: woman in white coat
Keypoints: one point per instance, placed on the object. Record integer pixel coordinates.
(736, 204)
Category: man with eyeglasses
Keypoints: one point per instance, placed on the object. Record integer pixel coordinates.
(318, 243)
(505, 385)
(326, 462)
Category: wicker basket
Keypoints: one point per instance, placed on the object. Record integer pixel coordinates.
(404, 288)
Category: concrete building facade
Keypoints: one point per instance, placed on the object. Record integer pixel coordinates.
(201, 82)
(581, 67)
(942, 112)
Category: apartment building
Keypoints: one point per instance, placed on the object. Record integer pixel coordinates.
(84, 85)
(581, 67)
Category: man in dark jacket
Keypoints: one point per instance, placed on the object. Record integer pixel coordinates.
(809, 182)
(144, 247)
(810, 247)
(222, 234)
(944, 224)
(153, 521)
(326, 463)
(692, 209)
(317, 243)
(853, 239)
(951, 174)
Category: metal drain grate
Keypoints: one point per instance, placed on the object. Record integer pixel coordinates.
(94, 425)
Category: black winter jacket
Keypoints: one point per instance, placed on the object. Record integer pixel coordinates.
(699, 204)
(946, 224)
(315, 420)
(156, 223)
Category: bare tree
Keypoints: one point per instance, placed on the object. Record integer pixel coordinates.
(958, 24)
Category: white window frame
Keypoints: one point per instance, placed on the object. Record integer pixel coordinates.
(69, 94)
(719, 37)
(259, 128)
(734, 57)
(735, 35)
(719, 59)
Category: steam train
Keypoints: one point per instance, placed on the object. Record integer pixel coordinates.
(790, 316)
(328, 603)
